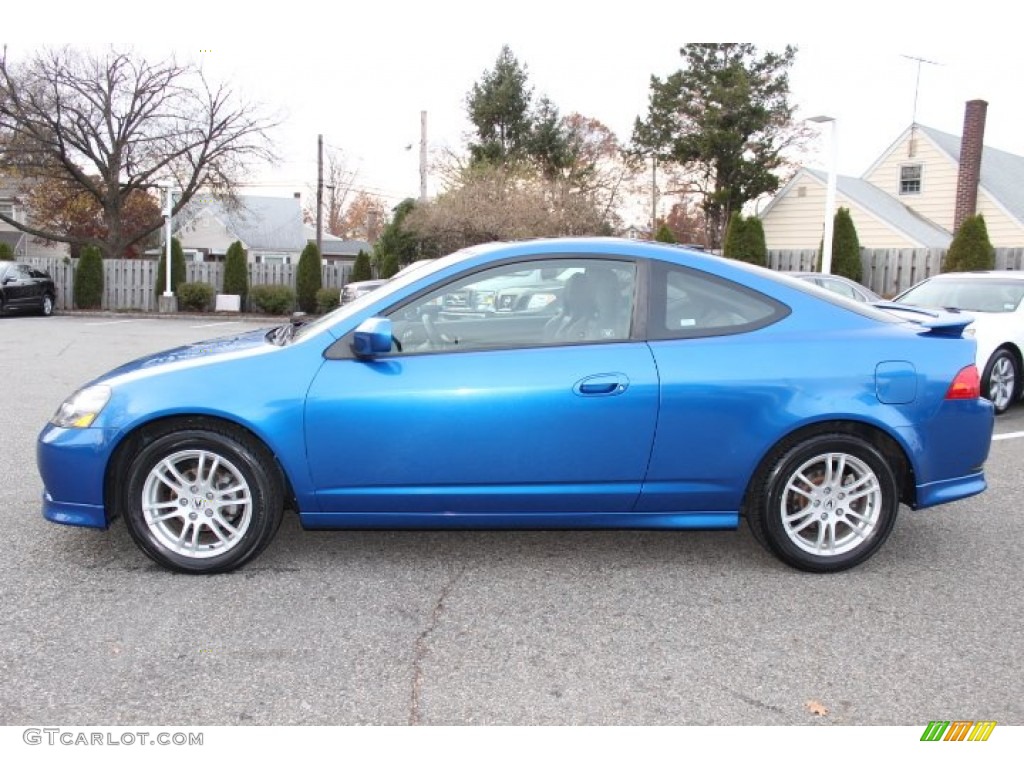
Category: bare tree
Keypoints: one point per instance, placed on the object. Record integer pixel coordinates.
(112, 124)
(504, 203)
(339, 180)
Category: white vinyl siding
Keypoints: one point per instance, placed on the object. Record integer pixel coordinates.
(937, 197)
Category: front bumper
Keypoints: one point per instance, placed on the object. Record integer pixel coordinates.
(72, 464)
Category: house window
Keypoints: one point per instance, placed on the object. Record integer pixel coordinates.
(910, 180)
(7, 209)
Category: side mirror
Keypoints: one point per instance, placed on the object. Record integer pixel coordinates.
(372, 337)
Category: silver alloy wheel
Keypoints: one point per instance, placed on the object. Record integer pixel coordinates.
(47, 305)
(1002, 381)
(197, 504)
(831, 504)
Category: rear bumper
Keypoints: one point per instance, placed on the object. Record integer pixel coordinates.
(945, 491)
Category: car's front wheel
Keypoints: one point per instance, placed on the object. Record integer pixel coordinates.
(202, 500)
(46, 307)
(825, 504)
(1001, 380)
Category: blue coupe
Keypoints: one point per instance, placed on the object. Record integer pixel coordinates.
(570, 383)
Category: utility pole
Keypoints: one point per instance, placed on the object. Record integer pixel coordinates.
(423, 156)
(654, 194)
(319, 192)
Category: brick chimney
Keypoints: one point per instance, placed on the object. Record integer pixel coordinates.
(970, 162)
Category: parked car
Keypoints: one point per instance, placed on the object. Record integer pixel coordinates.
(839, 284)
(26, 288)
(352, 291)
(994, 301)
(729, 392)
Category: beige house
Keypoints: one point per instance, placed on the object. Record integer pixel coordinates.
(22, 245)
(913, 196)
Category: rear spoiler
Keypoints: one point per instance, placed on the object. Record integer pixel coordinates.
(936, 322)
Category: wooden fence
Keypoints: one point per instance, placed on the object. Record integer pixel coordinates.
(130, 283)
(888, 271)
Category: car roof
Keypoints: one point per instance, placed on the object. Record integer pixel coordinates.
(992, 274)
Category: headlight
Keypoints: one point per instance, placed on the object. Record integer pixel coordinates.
(969, 332)
(82, 408)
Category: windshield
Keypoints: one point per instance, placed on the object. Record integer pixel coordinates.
(969, 294)
(389, 286)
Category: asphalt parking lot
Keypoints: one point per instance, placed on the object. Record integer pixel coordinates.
(493, 628)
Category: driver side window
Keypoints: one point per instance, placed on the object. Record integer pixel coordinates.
(522, 304)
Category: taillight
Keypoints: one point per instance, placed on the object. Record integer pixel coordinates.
(966, 385)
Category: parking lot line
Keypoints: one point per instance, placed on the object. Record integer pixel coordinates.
(117, 322)
(210, 325)
(1007, 436)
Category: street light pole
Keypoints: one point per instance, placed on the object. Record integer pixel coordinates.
(830, 194)
(168, 207)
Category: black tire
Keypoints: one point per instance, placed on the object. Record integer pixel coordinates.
(232, 513)
(1000, 382)
(46, 306)
(792, 510)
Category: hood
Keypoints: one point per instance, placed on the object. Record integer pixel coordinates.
(198, 353)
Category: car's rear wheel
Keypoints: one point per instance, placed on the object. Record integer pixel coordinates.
(202, 500)
(46, 307)
(825, 504)
(1001, 380)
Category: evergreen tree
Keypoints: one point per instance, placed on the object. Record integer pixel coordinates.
(396, 239)
(6, 253)
(664, 234)
(499, 108)
(88, 293)
(177, 268)
(308, 278)
(236, 272)
(845, 247)
(361, 268)
(725, 116)
(971, 248)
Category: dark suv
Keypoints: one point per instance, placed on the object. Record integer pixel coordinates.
(23, 287)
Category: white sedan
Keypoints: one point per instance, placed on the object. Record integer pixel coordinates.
(995, 301)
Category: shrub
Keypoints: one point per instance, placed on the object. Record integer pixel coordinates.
(389, 266)
(361, 268)
(273, 299)
(197, 297)
(236, 272)
(88, 292)
(845, 247)
(327, 299)
(664, 235)
(308, 278)
(6, 252)
(744, 240)
(177, 268)
(971, 248)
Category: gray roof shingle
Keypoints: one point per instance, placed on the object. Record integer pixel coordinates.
(889, 209)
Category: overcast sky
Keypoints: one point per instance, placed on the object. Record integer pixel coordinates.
(361, 72)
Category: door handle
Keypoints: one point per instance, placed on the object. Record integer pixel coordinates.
(602, 384)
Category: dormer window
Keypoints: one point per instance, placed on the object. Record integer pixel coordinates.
(910, 180)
